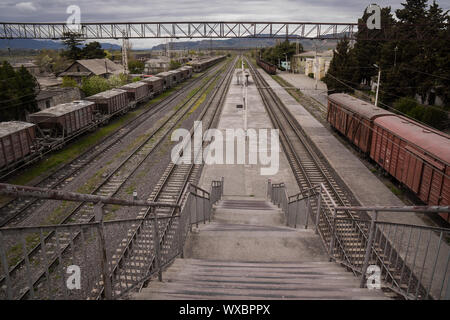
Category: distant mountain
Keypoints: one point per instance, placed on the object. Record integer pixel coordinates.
(43, 44)
(242, 43)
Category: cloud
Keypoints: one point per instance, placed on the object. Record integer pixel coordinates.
(26, 6)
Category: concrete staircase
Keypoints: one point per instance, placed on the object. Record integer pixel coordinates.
(246, 252)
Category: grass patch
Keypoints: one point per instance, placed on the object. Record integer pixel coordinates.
(395, 190)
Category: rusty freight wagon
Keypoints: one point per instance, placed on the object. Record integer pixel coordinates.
(416, 155)
(167, 79)
(17, 142)
(353, 118)
(110, 102)
(65, 119)
(155, 85)
(137, 91)
(187, 71)
(268, 67)
(177, 76)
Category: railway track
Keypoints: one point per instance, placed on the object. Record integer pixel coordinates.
(310, 169)
(84, 212)
(18, 209)
(137, 249)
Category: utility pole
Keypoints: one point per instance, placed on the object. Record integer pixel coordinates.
(378, 84)
(316, 66)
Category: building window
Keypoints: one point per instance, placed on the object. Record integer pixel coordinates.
(47, 104)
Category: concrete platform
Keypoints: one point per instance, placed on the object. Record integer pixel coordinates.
(246, 179)
(307, 86)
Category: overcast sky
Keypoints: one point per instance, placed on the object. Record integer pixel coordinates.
(190, 10)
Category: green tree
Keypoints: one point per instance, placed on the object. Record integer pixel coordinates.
(68, 82)
(18, 90)
(94, 85)
(340, 76)
(136, 66)
(73, 44)
(93, 50)
(174, 65)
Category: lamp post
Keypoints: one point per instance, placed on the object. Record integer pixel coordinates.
(378, 84)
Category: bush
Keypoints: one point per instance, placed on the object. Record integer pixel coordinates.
(311, 75)
(405, 105)
(68, 82)
(136, 79)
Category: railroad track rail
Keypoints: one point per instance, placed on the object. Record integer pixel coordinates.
(18, 209)
(137, 250)
(84, 212)
(310, 169)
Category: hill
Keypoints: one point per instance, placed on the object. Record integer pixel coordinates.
(43, 44)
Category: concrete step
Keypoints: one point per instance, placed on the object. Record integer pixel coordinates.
(212, 279)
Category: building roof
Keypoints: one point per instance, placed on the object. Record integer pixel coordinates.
(361, 107)
(431, 141)
(24, 64)
(8, 127)
(64, 108)
(75, 74)
(328, 53)
(98, 66)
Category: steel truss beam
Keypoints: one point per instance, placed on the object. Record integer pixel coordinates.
(219, 30)
(180, 30)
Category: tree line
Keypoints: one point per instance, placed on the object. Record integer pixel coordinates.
(18, 91)
(411, 69)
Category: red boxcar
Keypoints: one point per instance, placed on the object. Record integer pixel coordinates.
(415, 155)
(110, 101)
(17, 140)
(353, 118)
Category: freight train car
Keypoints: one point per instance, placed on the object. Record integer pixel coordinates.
(177, 76)
(268, 67)
(64, 120)
(353, 118)
(17, 141)
(137, 92)
(110, 102)
(187, 71)
(155, 85)
(167, 79)
(414, 154)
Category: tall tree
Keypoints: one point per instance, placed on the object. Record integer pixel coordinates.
(73, 45)
(93, 50)
(341, 74)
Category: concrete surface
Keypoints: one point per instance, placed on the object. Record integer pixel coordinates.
(246, 179)
(307, 86)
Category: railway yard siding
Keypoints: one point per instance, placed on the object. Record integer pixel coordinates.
(366, 188)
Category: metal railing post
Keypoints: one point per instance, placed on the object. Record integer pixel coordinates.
(181, 231)
(156, 242)
(307, 208)
(103, 257)
(368, 248)
(319, 204)
(333, 228)
(5, 266)
(221, 186)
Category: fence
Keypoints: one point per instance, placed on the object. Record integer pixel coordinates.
(100, 258)
(412, 260)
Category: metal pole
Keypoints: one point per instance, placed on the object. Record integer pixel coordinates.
(103, 259)
(368, 248)
(319, 207)
(333, 227)
(156, 242)
(378, 87)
